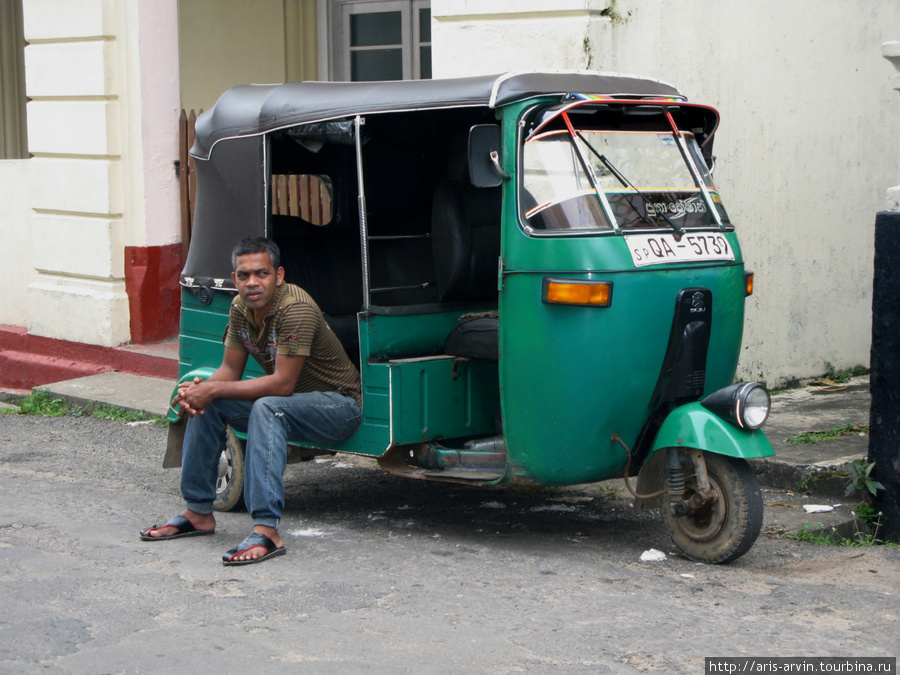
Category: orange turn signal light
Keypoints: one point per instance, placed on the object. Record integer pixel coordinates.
(748, 284)
(577, 292)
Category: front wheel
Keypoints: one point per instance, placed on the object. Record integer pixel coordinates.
(230, 484)
(725, 529)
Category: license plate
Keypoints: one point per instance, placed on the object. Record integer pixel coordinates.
(655, 249)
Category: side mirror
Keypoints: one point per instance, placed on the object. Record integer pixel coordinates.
(484, 156)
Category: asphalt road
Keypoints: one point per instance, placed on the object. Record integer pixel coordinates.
(387, 575)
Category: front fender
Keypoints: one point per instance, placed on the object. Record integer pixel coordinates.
(693, 426)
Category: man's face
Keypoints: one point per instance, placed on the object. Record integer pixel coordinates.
(256, 281)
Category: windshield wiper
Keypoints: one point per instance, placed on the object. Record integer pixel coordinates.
(679, 231)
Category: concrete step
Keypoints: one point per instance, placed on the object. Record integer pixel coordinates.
(20, 371)
(27, 361)
(818, 468)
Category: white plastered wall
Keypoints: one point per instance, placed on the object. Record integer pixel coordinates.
(226, 43)
(15, 240)
(152, 202)
(806, 149)
(101, 177)
(891, 51)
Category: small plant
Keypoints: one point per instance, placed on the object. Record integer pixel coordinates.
(608, 490)
(866, 519)
(843, 376)
(815, 536)
(860, 478)
(831, 434)
(42, 402)
(869, 515)
(810, 535)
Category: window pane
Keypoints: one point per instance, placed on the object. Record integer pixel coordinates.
(425, 63)
(425, 25)
(376, 64)
(377, 28)
(641, 175)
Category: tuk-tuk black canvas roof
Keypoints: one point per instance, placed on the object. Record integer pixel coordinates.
(255, 109)
(232, 181)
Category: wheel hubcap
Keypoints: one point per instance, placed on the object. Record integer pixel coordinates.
(707, 522)
(225, 472)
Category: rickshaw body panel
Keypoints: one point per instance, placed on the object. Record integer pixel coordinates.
(572, 376)
(406, 400)
(202, 330)
(416, 399)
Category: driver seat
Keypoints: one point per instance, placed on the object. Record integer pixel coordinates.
(465, 245)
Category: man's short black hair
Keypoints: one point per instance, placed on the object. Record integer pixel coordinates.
(257, 245)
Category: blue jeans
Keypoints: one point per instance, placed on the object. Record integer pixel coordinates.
(270, 422)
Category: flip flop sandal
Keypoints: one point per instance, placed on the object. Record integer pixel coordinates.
(253, 540)
(182, 524)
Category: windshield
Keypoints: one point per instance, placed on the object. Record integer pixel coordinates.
(586, 179)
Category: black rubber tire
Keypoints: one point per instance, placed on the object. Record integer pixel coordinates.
(230, 486)
(728, 528)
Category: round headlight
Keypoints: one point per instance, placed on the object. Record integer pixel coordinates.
(745, 404)
(754, 409)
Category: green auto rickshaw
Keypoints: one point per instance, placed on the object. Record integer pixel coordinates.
(534, 273)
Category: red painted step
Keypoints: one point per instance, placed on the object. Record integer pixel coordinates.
(28, 361)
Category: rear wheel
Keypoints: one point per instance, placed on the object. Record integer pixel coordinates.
(230, 484)
(724, 529)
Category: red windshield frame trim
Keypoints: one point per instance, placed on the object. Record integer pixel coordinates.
(665, 103)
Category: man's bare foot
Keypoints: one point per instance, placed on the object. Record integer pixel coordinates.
(257, 552)
(201, 521)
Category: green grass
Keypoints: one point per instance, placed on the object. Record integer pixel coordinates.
(43, 402)
(831, 434)
(822, 538)
(843, 376)
(818, 537)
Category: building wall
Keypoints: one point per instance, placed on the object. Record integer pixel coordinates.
(891, 51)
(806, 149)
(15, 235)
(225, 43)
(102, 129)
(91, 224)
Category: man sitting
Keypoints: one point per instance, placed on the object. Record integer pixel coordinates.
(310, 393)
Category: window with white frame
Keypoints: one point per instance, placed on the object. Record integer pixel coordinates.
(379, 39)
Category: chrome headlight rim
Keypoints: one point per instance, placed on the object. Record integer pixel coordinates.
(744, 408)
(731, 403)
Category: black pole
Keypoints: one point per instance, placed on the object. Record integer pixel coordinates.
(884, 416)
